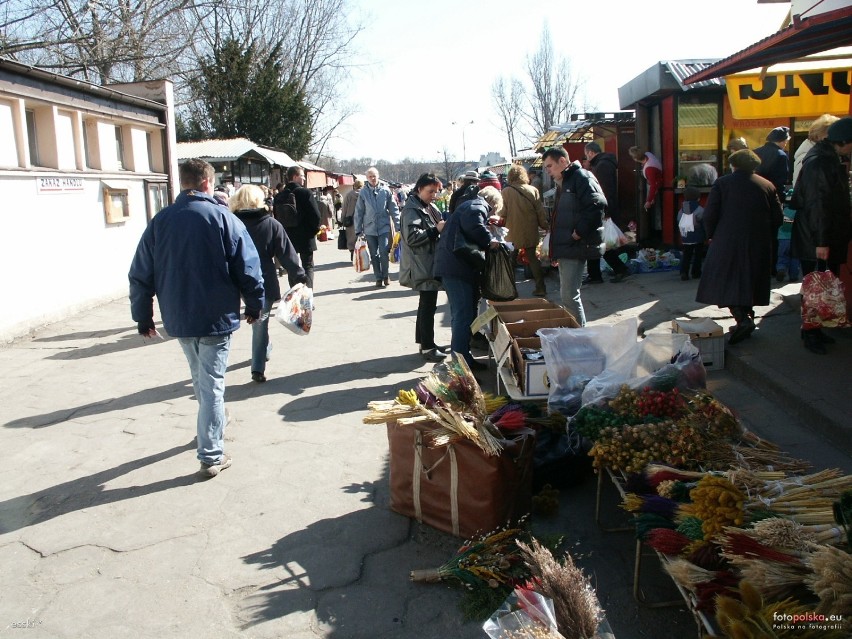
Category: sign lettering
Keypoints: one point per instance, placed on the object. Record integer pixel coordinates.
(59, 185)
(793, 94)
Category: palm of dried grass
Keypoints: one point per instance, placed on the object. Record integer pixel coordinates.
(575, 602)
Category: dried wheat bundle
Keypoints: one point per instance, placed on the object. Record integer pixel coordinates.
(383, 411)
(831, 580)
(686, 573)
(574, 600)
(774, 580)
(779, 532)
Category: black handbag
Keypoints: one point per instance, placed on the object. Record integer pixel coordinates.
(468, 252)
(498, 281)
(341, 239)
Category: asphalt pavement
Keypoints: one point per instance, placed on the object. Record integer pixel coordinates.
(106, 531)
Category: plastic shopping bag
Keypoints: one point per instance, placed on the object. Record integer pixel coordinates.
(361, 256)
(524, 613)
(545, 247)
(498, 280)
(823, 301)
(296, 309)
(394, 249)
(612, 235)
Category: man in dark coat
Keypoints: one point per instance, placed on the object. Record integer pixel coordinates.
(303, 236)
(822, 227)
(576, 225)
(604, 166)
(741, 218)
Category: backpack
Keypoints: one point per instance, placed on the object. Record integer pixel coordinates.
(285, 210)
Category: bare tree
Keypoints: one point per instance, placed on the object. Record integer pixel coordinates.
(554, 91)
(99, 40)
(508, 95)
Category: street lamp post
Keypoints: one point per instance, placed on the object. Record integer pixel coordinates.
(464, 150)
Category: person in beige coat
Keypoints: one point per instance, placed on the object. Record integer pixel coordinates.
(524, 215)
(347, 216)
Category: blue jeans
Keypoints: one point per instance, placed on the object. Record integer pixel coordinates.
(570, 279)
(379, 245)
(260, 339)
(786, 261)
(208, 361)
(462, 297)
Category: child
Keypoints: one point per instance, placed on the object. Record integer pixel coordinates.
(691, 233)
(787, 264)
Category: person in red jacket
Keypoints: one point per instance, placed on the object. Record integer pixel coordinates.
(652, 170)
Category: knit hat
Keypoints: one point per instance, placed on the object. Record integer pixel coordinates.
(487, 175)
(841, 131)
(745, 160)
(779, 134)
(471, 175)
(737, 144)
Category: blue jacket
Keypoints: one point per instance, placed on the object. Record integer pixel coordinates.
(471, 216)
(374, 210)
(198, 259)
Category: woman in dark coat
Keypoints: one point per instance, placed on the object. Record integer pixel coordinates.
(741, 220)
(420, 226)
(459, 279)
(822, 228)
(271, 241)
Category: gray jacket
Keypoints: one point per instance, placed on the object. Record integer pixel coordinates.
(374, 211)
(419, 238)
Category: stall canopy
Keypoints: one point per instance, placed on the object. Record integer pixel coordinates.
(231, 150)
(806, 35)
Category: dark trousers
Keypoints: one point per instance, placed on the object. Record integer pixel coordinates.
(610, 257)
(693, 256)
(308, 264)
(424, 329)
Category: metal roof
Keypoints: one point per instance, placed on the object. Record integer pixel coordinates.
(664, 78)
(805, 36)
(229, 150)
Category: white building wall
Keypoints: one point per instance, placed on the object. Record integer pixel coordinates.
(61, 257)
(65, 144)
(8, 151)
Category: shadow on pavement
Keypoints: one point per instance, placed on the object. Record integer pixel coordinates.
(86, 492)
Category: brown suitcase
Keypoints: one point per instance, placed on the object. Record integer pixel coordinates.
(458, 488)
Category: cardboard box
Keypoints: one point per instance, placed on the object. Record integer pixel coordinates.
(531, 374)
(458, 488)
(515, 306)
(708, 336)
(507, 332)
(534, 315)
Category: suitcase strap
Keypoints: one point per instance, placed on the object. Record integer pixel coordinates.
(454, 480)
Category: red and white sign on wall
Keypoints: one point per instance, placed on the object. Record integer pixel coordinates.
(59, 184)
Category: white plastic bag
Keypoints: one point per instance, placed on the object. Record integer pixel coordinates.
(545, 246)
(361, 256)
(523, 614)
(612, 235)
(296, 309)
(574, 356)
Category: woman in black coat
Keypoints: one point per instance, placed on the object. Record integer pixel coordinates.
(822, 227)
(741, 220)
(271, 241)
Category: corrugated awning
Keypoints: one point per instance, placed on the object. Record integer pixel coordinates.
(806, 36)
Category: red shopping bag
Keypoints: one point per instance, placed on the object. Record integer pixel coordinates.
(823, 301)
(361, 256)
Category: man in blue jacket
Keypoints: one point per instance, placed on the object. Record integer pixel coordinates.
(198, 259)
(376, 215)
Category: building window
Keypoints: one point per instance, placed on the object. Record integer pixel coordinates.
(149, 147)
(698, 143)
(32, 138)
(158, 197)
(115, 204)
(119, 148)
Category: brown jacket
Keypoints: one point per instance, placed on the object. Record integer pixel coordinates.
(524, 214)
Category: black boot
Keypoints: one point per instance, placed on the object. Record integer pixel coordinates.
(812, 342)
(825, 339)
(744, 327)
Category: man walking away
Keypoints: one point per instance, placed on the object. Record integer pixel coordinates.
(376, 217)
(198, 259)
(296, 208)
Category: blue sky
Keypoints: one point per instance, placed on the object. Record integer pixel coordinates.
(423, 66)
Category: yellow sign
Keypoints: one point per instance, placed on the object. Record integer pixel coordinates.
(791, 94)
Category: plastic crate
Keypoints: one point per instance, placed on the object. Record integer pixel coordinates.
(708, 336)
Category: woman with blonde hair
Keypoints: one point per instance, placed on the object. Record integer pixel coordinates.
(816, 133)
(271, 241)
(524, 215)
